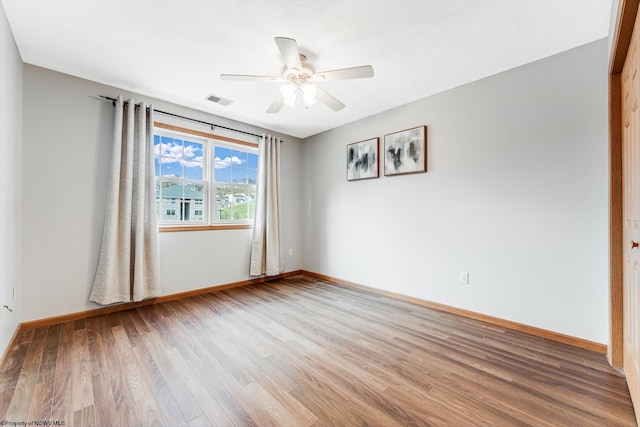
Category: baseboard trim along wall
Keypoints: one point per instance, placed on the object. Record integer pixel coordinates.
(164, 298)
(531, 330)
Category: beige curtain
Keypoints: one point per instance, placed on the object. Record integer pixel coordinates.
(129, 265)
(266, 251)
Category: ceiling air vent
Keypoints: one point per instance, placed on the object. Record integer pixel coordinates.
(219, 100)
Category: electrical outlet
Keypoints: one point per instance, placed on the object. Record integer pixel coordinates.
(464, 278)
(325, 255)
(14, 294)
(290, 251)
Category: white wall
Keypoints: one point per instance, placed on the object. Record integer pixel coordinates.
(516, 194)
(67, 146)
(10, 183)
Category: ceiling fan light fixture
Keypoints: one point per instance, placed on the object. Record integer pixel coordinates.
(289, 93)
(309, 93)
(298, 94)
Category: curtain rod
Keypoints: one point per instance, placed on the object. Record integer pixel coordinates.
(213, 125)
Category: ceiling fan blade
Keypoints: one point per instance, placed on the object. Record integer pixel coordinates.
(276, 106)
(344, 74)
(329, 100)
(246, 77)
(290, 53)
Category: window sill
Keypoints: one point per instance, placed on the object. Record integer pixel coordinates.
(168, 229)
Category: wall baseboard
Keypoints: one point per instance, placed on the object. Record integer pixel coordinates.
(164, 298)
(507, 324)
(531, 330)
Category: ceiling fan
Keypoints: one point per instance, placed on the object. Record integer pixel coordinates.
(300, 79)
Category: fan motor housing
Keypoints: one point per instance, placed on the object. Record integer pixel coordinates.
(299, 76)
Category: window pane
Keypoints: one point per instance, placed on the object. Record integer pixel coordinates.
(252, 176)
(222, 164)
(169, 200)
(224, 202)
(252, 161)
(239, 175)
(197, 187)
(237, 201)
(171, 147)
(172, 190)
(199, 210)
(178, 201)
(186, 210)
(251, 203)
(223, 175)
(223, 157)
(170, 167)
(194, 193)
(156, 145)
(239, 158)
(192, 160)
(167, 209)
(193, 170)
(241, 199)
(156, 152)
(193, 151)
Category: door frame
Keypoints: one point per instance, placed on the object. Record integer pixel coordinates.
(625, 19)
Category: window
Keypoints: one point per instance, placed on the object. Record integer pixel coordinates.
(203, 181)
(235, 179)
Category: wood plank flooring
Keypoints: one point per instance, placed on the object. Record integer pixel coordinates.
(303, 352)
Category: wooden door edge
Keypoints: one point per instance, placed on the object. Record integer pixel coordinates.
(625, 19)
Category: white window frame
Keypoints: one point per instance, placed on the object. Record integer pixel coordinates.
(210, 141)
(214, 183)
(184, 181)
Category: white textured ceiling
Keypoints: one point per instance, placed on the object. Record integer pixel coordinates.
(175, 50)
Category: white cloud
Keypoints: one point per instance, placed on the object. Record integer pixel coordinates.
(228, 161)
(192, 152)
(189, 156)
(197, 162)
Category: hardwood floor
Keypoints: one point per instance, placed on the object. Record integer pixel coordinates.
(303, 352)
